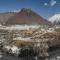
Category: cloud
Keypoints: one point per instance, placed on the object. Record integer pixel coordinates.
(45, 4)
(53, 2)
(55, 18)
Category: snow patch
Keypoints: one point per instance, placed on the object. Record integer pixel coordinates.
(55, 18)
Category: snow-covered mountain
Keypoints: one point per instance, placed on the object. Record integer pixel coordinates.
(55, 19)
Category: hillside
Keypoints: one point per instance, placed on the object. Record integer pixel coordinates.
(5, 16)
(27, 16)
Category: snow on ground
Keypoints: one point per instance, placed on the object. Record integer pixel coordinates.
(23, 39)
(19, 27)
(15, 50)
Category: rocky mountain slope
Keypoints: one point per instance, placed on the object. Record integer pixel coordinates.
(5, 16)
(24, 16)
(27, 16)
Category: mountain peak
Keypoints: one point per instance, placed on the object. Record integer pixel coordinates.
(25, 9)
(55, 19)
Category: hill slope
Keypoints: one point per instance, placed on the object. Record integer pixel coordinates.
(5, 16)
(27, 16)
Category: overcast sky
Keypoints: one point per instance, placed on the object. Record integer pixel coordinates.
(45, 8)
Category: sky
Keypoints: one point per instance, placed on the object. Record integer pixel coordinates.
(45, 8)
